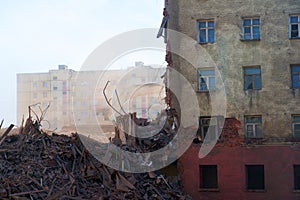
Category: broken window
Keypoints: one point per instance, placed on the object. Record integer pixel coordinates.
(205, 31)
(296, 125)
(253, 127)
(209, 127)
(251, 28)
(252, 78)
(294, 23)
(255, 177)
(295, 70)
(208, 177)
(206, 80)
(297, 177)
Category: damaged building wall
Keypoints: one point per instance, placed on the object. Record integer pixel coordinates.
(275, 153)
(274, 53)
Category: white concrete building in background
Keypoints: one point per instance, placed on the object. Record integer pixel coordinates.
(73, 96)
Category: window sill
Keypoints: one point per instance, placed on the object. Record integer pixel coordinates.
(204, 91)
(208, 190)
(249, 40)
(252, 90)
(295, 38)
(206, 43)
(255, 190)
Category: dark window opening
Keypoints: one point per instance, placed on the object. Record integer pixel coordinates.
(297, 177)
(255, 177)
(208, 177)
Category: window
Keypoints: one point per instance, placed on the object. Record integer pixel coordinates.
(54, 88)
(34, 85)
(54, 77)
(251, 28)
(295, 70)
(208, 177)
(296, 125)
(45, 84)
(209, 127)
(255, 177)
(294, 25)
(64, 93)
(253, 126)
(252, 78)
(34, 95)
(44, 94)
(205, 31)
(297, 177)
(206, 80)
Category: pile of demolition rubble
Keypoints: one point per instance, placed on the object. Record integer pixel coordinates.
(37, 165)
(132, 133)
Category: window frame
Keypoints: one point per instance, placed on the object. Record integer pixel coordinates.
(203, 185)
(206, 79)
(292, 73)
(206, 28)
(294, 23)
(252, 77)
(203, 126)
(251, 26)
(247, 175)
(254, 125)
(294, 122)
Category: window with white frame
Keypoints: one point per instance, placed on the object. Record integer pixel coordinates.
(253, 126)
(294, 26)
(209, 127)
(205, 31)
(206, 79)
(296, 125)
(251, 28)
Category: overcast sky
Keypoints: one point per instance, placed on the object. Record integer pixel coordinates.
(38, 35)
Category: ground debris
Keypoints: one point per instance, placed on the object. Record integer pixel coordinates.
(37, 165)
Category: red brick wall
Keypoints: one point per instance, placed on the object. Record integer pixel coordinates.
(278, 164)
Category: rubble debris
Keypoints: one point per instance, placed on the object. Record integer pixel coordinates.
(162, 131)
(37, 165)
